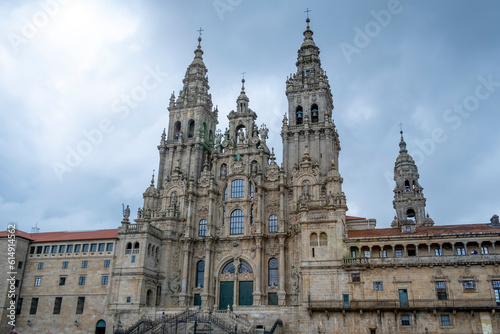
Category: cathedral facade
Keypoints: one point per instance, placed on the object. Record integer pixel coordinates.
(226, 233)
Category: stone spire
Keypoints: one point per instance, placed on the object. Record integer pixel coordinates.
(409, 200)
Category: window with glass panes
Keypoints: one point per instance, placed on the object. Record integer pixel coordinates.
(237, 222)
(273, 224)
(237, 188)
(441, 290)
(273, 272)
(202, 228)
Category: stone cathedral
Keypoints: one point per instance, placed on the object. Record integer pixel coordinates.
(228, 241)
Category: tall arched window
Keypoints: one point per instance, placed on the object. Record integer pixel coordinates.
(200, 273)
(323, 239)
(225, 193)
(407, 185)
(273, 272)
(314, 113)
(314, 239)
(410, 214)
(149, 298)
(136, 248)
(273, 224)
(236, 223)
(177, 129)
(299, 115)
(237, 188)
(191, 128)
(128, 250)
(202, 228)
(251, 215)
(251, 190)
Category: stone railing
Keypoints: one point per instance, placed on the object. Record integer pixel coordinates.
(422, 260)
(393, 304)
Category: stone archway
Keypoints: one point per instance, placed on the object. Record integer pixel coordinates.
(236, 282)
(100, 327)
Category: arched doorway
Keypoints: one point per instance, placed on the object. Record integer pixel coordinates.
(100, 327)
(236, 284)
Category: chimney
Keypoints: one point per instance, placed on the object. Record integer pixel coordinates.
(494, 221)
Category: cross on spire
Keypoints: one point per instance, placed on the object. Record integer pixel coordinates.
(401, 127)
(200, 31)
(307, 12)
(243, 74)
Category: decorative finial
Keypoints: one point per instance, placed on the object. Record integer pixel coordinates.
(153, 178)
(402, 143)
(243, 81)
(199, 37)
(307, 19)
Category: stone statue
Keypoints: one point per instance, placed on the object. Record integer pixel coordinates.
(263, 132)
(241, 136)
(126, 212)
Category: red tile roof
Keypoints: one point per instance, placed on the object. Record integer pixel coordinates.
(354, 218)
(65, 236)
(425, 231)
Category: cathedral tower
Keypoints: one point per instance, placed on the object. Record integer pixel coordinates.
(409, 200)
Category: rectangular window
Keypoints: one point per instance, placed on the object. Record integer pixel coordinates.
(62, 248)
(81, 280)
(85, 248)
(484, 250)
(19, 306)
(378, 286)
(398, 253)
(496, 291)
(106, 263)
(84, 264)
(80, 305)
(38, 281)
(32, 250)
(39, 249)
(109, 247)
(405, 320)
(70, 249)
(461, 251)
(441, 290)
(367, 253)
(445, 320)
(34, 305)
(62, 280)
(469, 285)
(132, 259)
(356, 277)
(65, 265)
(46, 250)
(57, 305)
(104, 280)
(129, 299)
(93, 247)
(102, 247)
(40, 266)
(78, 248)
(54, 249)
(437, 251)
(382, 253)
(237, 188)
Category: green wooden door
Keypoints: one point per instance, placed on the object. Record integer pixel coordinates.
(345, 300)
(245, 293)
(197, 299)
(226, 295)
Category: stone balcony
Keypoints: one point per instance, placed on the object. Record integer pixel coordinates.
(448, 260)
(410, 305)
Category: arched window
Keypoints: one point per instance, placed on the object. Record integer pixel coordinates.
(236, 222)
(136, 248)
(299, 115)
(273, 272)
(251, 189)
(323, 239)
(128, 249)
(200, 274)
(202, 230)
(191, 128)
(314, 113)
(244, 266)
(251, 215)
(225, 193)
(273, 224)
(149, 298)
(410, 214)
(229, 268)
(237, 188)
(314, 239)
(177, 129)
(149, 249)
(407, 185)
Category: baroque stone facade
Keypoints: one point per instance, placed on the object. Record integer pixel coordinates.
(227, 231)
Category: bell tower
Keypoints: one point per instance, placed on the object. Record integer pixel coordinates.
(191, 128)
(409, 200)
(308, 129)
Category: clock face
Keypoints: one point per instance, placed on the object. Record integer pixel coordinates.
(190, 114)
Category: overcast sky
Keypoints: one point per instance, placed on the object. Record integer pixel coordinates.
(73, 147)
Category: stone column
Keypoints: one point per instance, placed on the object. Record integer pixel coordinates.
(206, 300)
(184, 297)
(161, 169)
(281, 272)
(236, 290)
(257, 294)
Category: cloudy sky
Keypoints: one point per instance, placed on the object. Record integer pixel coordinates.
(84, 90)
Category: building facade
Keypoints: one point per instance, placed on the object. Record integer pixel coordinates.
(226, 231)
